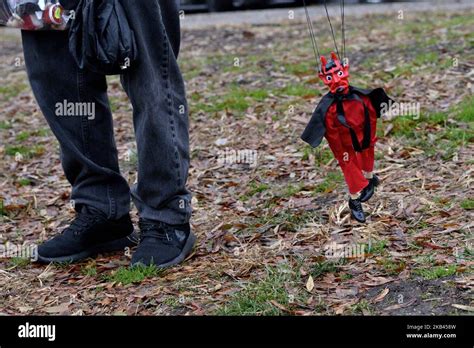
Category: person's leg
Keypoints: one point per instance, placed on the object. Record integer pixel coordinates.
(156, 89)
(88, 151)
(76, 107)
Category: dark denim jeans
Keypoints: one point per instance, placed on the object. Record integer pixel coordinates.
(155, 87)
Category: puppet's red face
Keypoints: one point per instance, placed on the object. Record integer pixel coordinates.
(334, 74)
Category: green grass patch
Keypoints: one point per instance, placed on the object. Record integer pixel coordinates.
(255, 298)
(346, 276)
(458, 20)
(237, 99)
(5, 125)
(25, 151)
(19, 262)
(296, 90)
(330, 183)
(436, 272)
(468, 204)
(425, 58)
(288, 219)
(89, 270)
(22, 136)
(404, 126)
(292, 190)
(24, 182)
(134, 275)
(306, 67)
(324, 267)
(377, 247)
(465, 110)
(433, 134)
(362, 307)
(391, 267)
(12, 90)
(254, 188)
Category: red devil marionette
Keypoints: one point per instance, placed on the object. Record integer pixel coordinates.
(347, 118)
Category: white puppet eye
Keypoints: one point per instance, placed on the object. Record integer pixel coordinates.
(340, 73)
(329, 77)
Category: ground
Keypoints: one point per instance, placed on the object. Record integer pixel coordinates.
(266, 230)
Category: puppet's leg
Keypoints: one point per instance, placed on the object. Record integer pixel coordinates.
(340, 143)
(367, 159)
(341, 146)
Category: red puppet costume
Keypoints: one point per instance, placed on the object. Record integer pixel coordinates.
(347, 118)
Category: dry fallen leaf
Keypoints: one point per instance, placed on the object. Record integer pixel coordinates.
(463, 307)
(382, 295)
(61, 309)
(310, 284)
(400, 305)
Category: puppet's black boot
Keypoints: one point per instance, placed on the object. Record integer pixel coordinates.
(369, 190)
(356, 210)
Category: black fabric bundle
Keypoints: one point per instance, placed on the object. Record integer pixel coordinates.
(69, 4)
(100, 37)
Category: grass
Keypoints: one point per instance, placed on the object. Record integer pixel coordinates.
(134, 275)
(324, 267)
(322, 155)
(296, 90)
(391, 267)
(331, 181)
(25, 151)
(465, 111)
(426, 58)
(22, 136)
(288, 219)
(24, 182)
(19, 262)
(255, 297)
(436, 272)
(435, 133)
(292, 190)
(236, 99)
(254, 188)
(376, 248)
(426, 260)
(5, 125)
(89, 270)
(301, 68)
(12, 90)
(362, 307)
(468, 204)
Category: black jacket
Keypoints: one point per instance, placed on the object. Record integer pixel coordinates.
(316, 128)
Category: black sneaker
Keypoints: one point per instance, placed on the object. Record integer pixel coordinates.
(369, 190)
(163, 245)
(356, 210)
(88, 235)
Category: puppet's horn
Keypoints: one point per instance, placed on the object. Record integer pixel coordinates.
(323, 61)
(334, 56)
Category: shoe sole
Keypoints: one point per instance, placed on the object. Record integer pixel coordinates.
(188, 247)
(119, 244)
